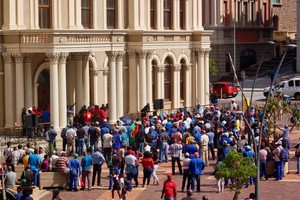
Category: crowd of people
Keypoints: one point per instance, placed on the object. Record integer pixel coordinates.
(188, 138)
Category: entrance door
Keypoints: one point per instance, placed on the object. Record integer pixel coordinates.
(44, 89)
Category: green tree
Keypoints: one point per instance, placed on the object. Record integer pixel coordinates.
(213, 69)
(238, 168)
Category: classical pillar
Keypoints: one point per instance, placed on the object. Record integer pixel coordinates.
(160, 87)
(78, 82)
(187, 15)
(95, 14)
(133, 81)
(35, 93)
(176, 16)
(78, 14)
(62, 80)
(19, 88)
(200, 76)
(214, 13)
(95, 89)
(176, 86)
(199, 17)
(206, 76)
(142, 14)
(9, 15)
(194, 15)
(105, 91)
(20, 14)
(8, 88)
(133, 14)
(71, 14)
(34, 14)
(119, 80)
(142, 79)
(112, 101)
(149, 77)
(121, 15)
(54, 96)
(159, 15)
(187, 85)
(194, 77)
(28, 81)
(86, 80)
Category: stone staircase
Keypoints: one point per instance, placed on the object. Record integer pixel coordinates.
(288, 66)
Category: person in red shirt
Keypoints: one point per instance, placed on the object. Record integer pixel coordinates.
(169, 191)
(148, 166)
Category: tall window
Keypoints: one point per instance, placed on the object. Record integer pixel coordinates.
(168, 79)
(182, 13)
(44, 13)
(167, 14)
(111, 13)
(152, 14)
(86, 15)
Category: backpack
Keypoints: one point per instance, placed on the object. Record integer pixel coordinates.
(283, 156)
(127, 185)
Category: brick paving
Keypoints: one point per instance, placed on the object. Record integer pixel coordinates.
(273, 190)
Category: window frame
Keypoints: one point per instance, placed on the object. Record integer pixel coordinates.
(114, 11)
(167, 12)
(42, 7)
(89, 15)
(152, 14)
(182, 14)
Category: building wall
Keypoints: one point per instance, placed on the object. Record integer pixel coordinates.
(286, 11)
(127, 49)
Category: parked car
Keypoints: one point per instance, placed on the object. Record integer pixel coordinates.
(288, 88)
(225, 89)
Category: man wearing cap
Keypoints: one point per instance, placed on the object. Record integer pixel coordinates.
(186, 174)
(130, 169)
(278, 163)
(75, 172)
(195, 168)
(169, 191)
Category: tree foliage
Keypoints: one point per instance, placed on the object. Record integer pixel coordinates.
(238, 168)
(213, 69)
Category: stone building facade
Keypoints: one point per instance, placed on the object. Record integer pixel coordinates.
(125, 53)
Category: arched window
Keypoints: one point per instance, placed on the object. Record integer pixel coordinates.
(275, 22)
(44, 13)
(168, 79)
(86, 13)
(247, 58)
(111, 13)
(167, 14)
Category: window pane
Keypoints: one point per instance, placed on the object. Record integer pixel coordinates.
(166, 20)
(84, 3)
(291, 83)
(110, 3)
(110, 19)
(167, 4)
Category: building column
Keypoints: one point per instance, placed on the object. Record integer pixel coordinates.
(206, 76)
(133, 81)
(112, 101)
(133, 11)
(62, 80)
(8, 88)
(187, 15)
(95, 89)
(214, 13)
(105, 91)
(121, 15)
(119, 80)
(54, 96)
(35, 94)
(160, 15)
(19, 88)
(20, 14)
(187, 85)
(176, 86)
(149, 77)
(194, 77)
(200, 76)
(142, 79)
(78, 82)
(86, 80)
(28, 81)
(199, 16)
(176, 15)
(142, 14)
(9, 15)
(34, 14)
(160, 87)
(71, 14)
(78, 23)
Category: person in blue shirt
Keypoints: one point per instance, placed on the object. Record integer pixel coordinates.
(97, 160)
(75, 171)
(35, 163)
(86, 164)
(191, 149)
(250, 154)
(117, 140)
(195, 168)
(46, 116)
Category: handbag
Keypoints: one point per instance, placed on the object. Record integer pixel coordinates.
(297, 153)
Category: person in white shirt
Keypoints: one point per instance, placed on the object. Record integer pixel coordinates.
(15, 156)
(71, 136)
(186, 173)
(147, 147)
(233, 105)
(107, 144)
(204, 147)
(130, 161)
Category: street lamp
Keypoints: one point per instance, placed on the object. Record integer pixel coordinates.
(257, 184)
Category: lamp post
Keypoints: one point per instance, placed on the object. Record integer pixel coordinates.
(257, 184)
